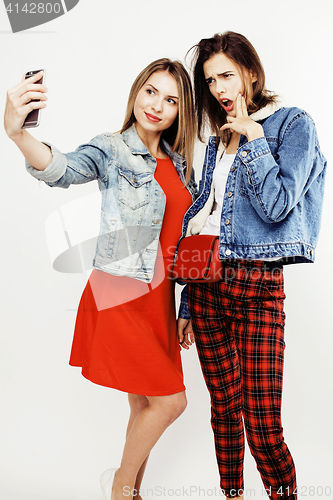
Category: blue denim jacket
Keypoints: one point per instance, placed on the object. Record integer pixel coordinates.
(274, 193)
(133, 203)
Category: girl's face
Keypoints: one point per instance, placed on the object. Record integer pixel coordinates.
(156, 105)
(225, 81)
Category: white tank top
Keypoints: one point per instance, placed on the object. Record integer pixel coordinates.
(220, 176)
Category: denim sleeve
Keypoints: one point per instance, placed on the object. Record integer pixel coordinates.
(184, 311)
(275, 184)
(87, 163)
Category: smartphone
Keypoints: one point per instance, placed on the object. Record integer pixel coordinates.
(33, 118)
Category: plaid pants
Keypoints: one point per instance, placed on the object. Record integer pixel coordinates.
(239, 331)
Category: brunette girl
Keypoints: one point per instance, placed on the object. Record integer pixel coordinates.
(261, 192)
(126, 335)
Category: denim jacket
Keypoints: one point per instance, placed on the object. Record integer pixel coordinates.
(133, 203)
(274, 193)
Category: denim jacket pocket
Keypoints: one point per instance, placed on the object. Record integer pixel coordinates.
(134, 188)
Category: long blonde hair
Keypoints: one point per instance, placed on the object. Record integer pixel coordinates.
(181, 135)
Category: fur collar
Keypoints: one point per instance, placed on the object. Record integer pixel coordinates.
(267, 111)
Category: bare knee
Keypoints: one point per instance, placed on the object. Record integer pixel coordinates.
(137, 403)
(179, 404)
(170, 407)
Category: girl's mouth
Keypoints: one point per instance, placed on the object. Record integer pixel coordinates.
(152, 118)
(227, 105)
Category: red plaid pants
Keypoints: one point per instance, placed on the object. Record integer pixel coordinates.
(239, 332)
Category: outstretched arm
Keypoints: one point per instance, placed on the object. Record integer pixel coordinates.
(21, 99)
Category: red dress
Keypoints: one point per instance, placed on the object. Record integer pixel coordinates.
(125, 334)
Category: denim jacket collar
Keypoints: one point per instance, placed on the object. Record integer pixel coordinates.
(135, 144)
(133, 141)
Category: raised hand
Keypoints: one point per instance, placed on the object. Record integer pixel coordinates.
(19, 104)
(21, 100)
(242, 123)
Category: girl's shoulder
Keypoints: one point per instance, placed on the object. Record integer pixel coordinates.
(278, 111)
(104, 139)
(108, 142)
(288, 118)
(290, 113)
(294, 112)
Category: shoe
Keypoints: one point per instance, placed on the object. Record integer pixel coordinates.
(106, 483)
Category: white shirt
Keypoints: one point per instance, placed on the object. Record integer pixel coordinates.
(220, 176)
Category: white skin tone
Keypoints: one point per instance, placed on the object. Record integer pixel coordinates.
(225, 81)
(17, 108)
(155, 109)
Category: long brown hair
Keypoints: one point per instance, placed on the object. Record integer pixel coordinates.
(181, 135)
(239, 50)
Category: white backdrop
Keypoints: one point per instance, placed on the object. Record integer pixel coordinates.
(58, 430)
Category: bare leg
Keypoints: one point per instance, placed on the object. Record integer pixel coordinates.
(145, 430)
(137, 403)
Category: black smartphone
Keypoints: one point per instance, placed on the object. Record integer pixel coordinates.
(33, 118)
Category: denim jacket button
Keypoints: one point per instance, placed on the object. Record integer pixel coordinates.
(227, 222)
(229, 194)
(244, 154)
(233, 169)
(228, 252)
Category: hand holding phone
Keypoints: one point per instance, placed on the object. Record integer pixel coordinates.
(33, 118)
(23, 98)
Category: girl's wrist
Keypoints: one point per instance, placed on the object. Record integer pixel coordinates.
(17, 137)
(255, 131)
